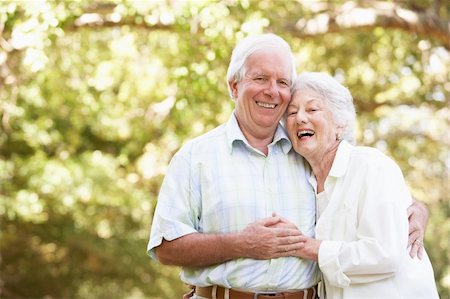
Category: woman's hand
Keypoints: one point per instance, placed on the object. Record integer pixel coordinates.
(310, 250)
(310, 246)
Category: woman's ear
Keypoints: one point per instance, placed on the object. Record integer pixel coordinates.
(340, 131)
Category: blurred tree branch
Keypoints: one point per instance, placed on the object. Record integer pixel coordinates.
(328, 17)
(351, 16)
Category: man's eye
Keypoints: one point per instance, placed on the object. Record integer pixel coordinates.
(284, 83)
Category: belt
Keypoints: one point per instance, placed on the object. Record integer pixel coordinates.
(207, 292)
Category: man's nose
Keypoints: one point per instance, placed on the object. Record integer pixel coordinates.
(271, 88)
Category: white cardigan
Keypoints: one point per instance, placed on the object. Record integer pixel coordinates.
(364, 228)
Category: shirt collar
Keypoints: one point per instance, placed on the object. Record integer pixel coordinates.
(234, 133)
(341, 160)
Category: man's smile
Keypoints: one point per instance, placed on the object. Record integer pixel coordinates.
(266, 105)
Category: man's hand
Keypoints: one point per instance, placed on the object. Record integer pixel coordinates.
(283, 223)
(269, 238)
(418, 218)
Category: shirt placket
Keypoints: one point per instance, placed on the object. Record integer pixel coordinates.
(275, 266)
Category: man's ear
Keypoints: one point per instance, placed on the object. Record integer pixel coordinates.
(234, 88)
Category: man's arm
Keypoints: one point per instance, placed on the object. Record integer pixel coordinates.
(418, 219)
(197, 250)
(263, 239)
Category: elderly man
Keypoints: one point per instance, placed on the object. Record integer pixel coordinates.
(235, 200)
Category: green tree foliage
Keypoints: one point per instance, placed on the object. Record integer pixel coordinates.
(96, 97)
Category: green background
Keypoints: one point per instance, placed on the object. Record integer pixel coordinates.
(96, 97)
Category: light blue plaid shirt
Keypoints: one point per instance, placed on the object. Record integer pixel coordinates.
(218, 183)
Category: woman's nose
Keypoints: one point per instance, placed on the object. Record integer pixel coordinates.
(301, 117)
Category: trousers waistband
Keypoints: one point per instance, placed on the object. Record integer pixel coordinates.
(208, 292)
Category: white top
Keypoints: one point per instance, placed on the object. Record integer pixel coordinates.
(321, 204)
(218, 183)
(364, 229)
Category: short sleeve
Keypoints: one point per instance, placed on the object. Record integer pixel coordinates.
(177, 209)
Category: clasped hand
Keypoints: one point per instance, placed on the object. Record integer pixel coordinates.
(274, 237)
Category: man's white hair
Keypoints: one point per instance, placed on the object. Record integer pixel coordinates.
(250, 45)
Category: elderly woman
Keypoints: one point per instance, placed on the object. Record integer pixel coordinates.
(362, 227)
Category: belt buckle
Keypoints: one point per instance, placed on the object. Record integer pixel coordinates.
(257, 294)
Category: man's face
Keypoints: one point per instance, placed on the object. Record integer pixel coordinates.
(264, 93)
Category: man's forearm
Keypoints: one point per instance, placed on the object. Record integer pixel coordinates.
(263, 239)
(423, 210)
(199, 250)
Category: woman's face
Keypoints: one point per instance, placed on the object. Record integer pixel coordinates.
(310, 125)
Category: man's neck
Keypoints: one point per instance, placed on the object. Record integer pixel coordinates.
(260, 140)
(261, 144)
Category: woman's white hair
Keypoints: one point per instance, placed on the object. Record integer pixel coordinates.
(336, 96)
(250, 45)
